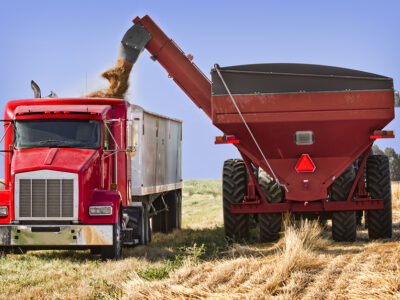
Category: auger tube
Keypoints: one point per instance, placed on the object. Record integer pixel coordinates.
(146, 34)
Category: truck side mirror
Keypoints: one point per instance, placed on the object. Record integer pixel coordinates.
(131, 138)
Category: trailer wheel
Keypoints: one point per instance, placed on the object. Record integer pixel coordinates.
(234, 188)
(378, 185)
(114, 251)
(174, 203)
(270, 224)
(160, 222)
(344, 225)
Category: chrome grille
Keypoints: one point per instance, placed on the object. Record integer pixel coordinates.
(46, 198)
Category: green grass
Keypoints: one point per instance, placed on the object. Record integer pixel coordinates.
(194, 255)
(202, 205)
(202, 187)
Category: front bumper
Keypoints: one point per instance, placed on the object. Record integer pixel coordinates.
(56, 235)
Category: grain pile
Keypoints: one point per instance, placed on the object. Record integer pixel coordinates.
(118, 78)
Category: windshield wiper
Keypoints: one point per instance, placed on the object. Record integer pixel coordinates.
(49, 142)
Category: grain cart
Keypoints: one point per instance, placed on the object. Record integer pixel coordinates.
(88, 174)
(304, 132)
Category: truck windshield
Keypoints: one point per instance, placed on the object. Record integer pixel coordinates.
(84, 134)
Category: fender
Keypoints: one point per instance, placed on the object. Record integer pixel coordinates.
(5, 201)
(104, 198)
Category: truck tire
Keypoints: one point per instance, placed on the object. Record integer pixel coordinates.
(271, 223)
(379, 187)
(344, 223)
(115, 251)
(174, 203)
(234, 188)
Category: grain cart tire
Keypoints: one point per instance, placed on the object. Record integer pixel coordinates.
(378, 185)
(234, 188)
(115, 251)
(344, 225)
(270, 224)
(174, 203)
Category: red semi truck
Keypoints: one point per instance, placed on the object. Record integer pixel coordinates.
(88, 174)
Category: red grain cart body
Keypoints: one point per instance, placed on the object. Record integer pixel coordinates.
(335, 110)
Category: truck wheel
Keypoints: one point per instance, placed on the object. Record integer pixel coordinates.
(270, 224)
(174, 203)
(344, 225)
(114, 251)
(234, 188)
(161, 221)
(378, 185)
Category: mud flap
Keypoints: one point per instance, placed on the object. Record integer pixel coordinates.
(137, 230)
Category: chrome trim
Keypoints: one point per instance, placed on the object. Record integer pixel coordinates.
(46, 174)
(56, 235)
(100, 206)
(5, 214)
(156, 189)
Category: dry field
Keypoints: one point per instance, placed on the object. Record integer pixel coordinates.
(197, 263)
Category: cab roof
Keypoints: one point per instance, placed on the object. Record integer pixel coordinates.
(78, 109)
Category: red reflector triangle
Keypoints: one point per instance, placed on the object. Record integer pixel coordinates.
(305, 164)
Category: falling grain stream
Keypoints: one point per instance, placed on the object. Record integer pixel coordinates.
(118, 78)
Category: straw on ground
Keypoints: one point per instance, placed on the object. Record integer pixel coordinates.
(197, 263)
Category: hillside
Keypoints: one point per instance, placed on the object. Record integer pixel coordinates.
(197, 262)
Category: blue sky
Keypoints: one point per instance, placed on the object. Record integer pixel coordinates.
(66, 45)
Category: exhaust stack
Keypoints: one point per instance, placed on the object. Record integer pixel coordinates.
(36, 90)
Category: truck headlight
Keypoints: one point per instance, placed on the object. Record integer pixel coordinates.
(100, 210)
(3, 211)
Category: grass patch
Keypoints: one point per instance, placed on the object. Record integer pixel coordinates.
(189, 254)
(202, 187)
(161, 272)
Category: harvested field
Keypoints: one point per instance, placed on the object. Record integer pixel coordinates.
(197, 263)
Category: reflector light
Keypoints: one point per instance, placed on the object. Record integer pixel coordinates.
(304, 137)
(382, 134)
(226, 139)
(305, 164)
